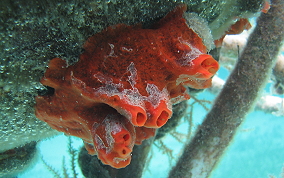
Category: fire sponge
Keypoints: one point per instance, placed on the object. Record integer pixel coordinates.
(124, 85)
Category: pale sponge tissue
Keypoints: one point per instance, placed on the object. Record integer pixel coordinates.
(200, 26)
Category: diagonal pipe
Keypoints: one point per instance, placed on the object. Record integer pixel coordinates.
(237, 98)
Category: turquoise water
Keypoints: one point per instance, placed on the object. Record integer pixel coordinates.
(53, 151)
(257, 150)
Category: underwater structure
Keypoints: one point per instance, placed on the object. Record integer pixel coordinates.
(59, 31)
(124, 85)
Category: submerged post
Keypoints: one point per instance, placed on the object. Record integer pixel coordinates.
(236, 99)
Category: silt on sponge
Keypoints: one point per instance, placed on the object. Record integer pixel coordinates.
(124, 85)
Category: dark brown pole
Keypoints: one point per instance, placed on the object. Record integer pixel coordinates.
(236, 99)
